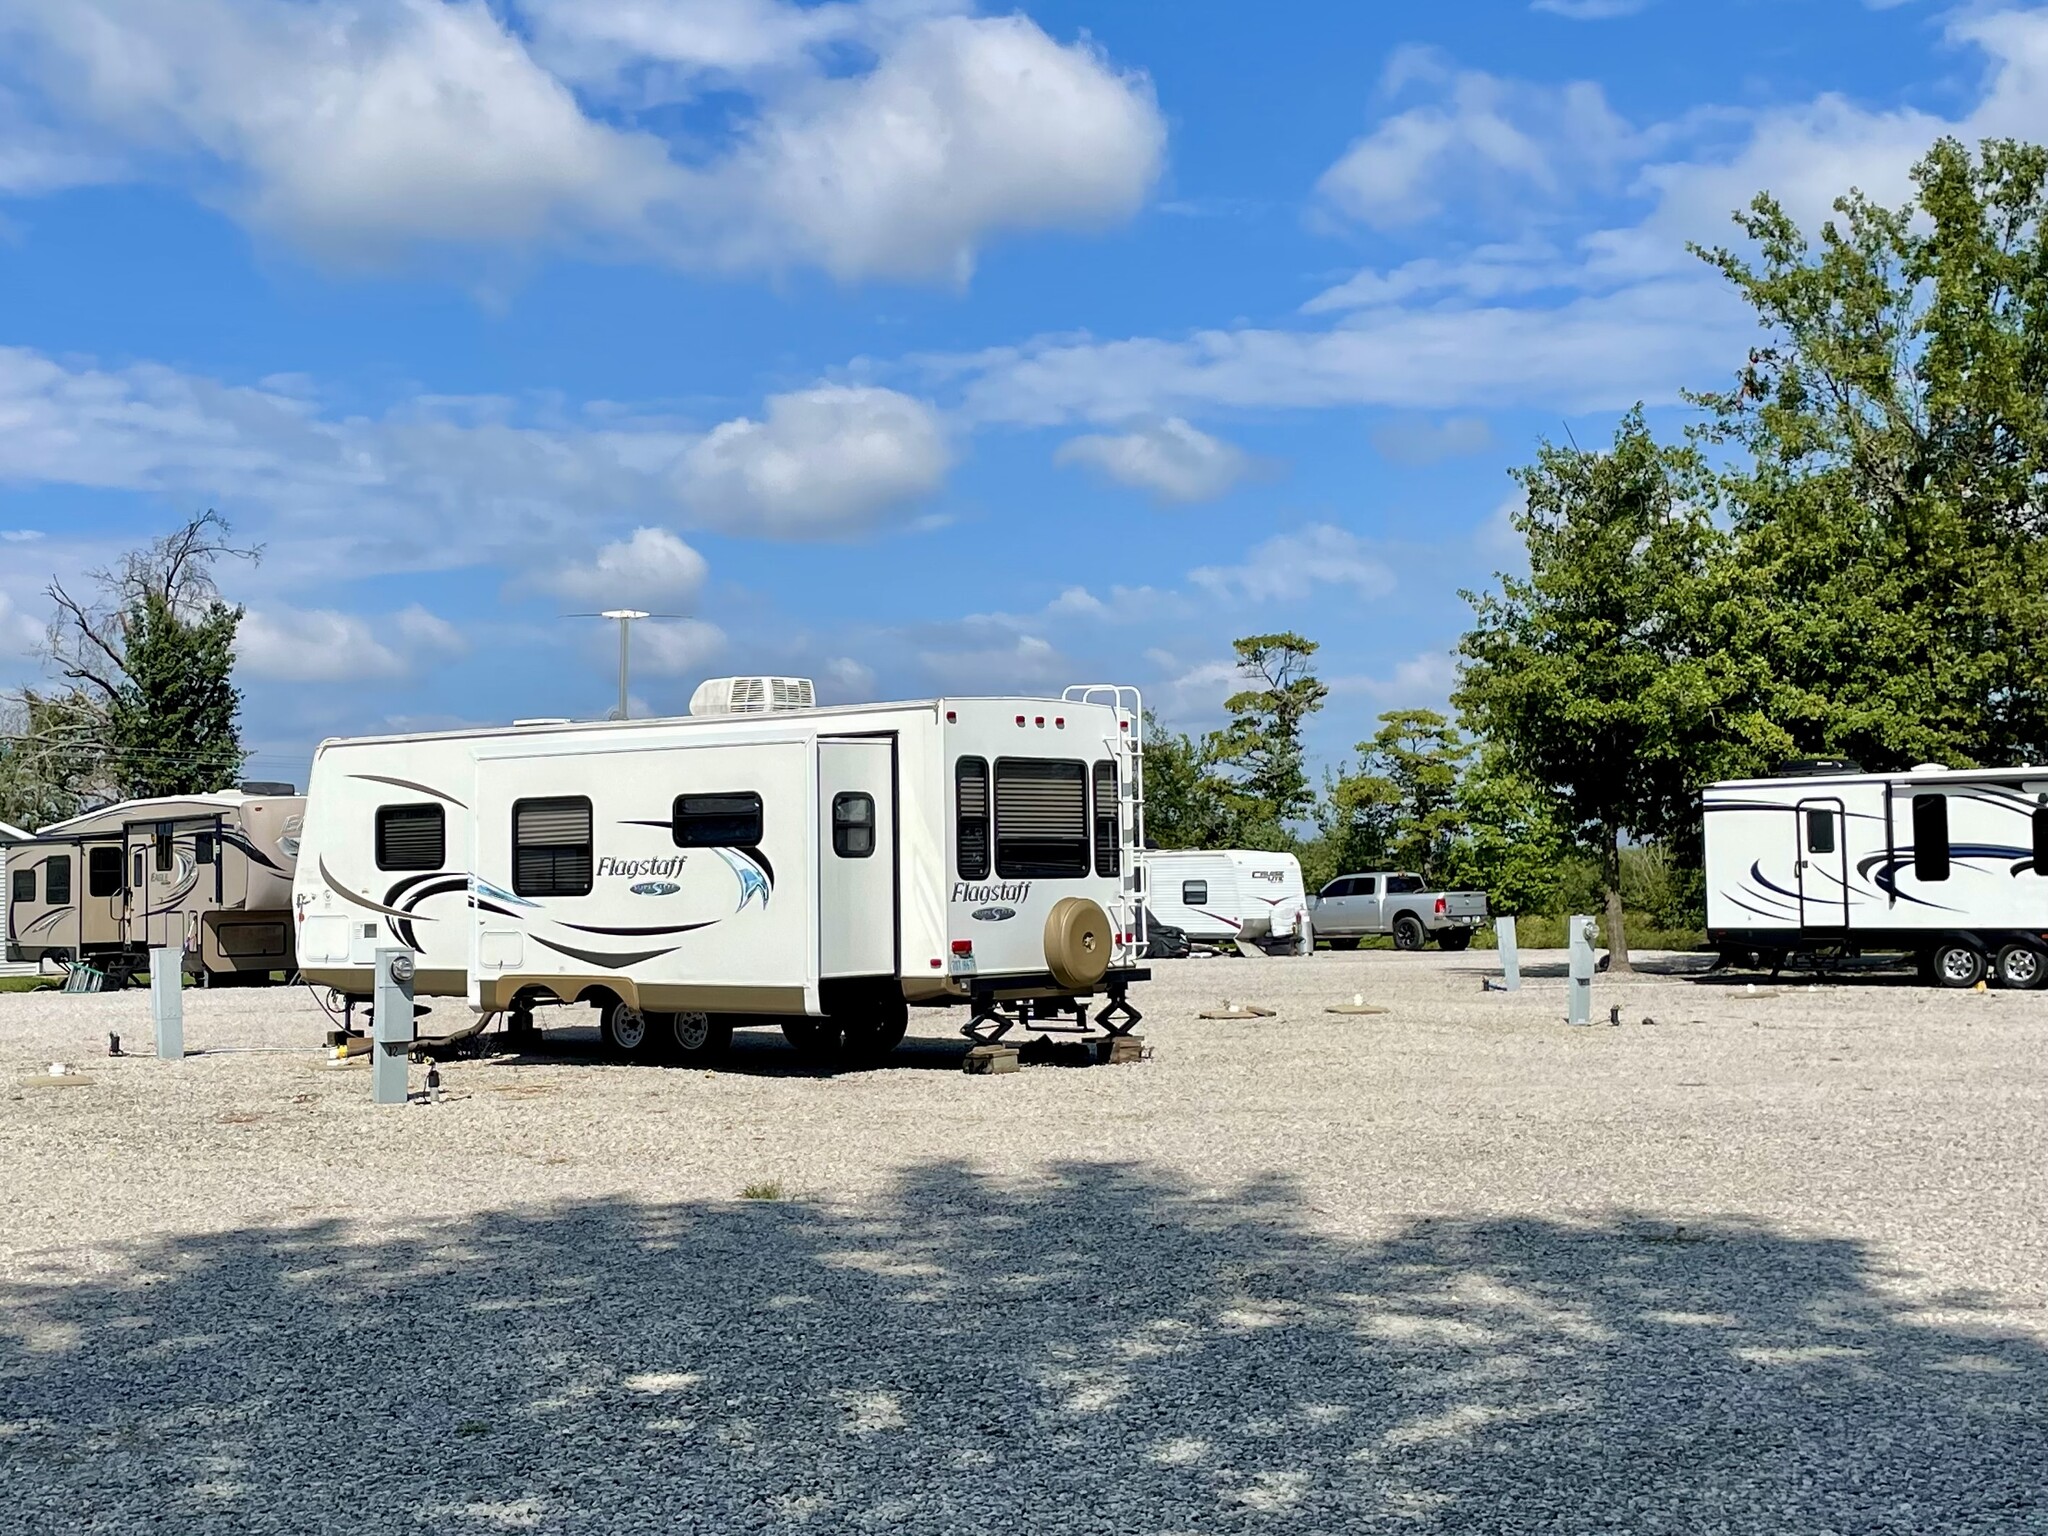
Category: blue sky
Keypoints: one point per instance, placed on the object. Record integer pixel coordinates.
(905, 345)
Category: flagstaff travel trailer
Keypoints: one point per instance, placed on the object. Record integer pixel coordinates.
(760, 861)
(1948, 865)
(210, 875)
(1230, 896)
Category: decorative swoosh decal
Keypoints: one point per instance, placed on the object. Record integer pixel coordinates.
(425, 789)
(361, 901)
(240, 843)
(594, 957)
(635, 933)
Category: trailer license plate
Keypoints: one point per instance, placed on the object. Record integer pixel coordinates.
(962, 965)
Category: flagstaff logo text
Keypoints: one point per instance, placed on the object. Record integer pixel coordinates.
(641, 869)
(993, 895)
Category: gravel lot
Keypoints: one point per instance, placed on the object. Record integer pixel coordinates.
(1774, 1262)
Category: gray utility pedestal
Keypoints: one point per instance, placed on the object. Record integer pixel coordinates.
(1510, 955)
(1579, 990)
(391, 1027)
(167, 1002)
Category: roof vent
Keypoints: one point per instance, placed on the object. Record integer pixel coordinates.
(752, 696)
(267, 787)
(1815, 768)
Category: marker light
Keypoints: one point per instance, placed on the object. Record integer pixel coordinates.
(963, 946)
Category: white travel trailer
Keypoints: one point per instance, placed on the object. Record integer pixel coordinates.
(1949, 865)
(1229, 896)
(758, 862)
(210, 875)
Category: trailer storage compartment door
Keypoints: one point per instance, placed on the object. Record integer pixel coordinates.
(857, 858)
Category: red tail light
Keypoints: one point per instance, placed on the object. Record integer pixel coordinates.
(963, 946)
(1440, 906)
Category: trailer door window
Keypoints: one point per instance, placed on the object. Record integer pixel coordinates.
(2041, 842)
(1194, 893)
(164, 847)
(139, 880)
(24, 885)
(57, 880)
(551, 848)
(102, 871)
(1041, 819)
(411, 837)
(1109, 831)
(970, 795)
(1820, 831)
(203, 846)
(717, 821)
(853, 825)
(1930, 837)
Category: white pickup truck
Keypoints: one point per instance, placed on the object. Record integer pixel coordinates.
(1353, 907)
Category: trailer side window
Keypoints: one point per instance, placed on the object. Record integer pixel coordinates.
(203, 847)
(1109, 831)
(1041, 819)
(24, 885)
(57, 880)
(2041, 842)
(102, 871)
(1930, 837)
(551, 848)
(970, 794)
(853, 825)
(1194, 893)
(411, 837)
(140, 881)
(165, 847)
(717, 821)
(1820, 831)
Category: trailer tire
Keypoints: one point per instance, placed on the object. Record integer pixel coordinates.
(1957, 964)
(2022, 967)
(1409, 933)
(626, 1031)
(816, 1040)
(1077, 942)
(692, 1037)
(1452, 940)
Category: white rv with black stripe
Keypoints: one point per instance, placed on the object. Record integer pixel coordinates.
(1949, 865)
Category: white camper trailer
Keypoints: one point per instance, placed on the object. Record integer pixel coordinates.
(210, 875)
(1949, 865)
(758, 862)
(1230, 896)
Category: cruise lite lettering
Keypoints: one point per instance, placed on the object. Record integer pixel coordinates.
(984, 895)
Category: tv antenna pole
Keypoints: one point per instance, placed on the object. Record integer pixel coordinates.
(625, 618)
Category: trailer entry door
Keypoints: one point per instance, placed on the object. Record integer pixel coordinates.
(1822, 861)
(857, 861)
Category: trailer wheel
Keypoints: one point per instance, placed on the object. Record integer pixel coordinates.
(1958, 964)
(1451, 940)
(692, 1037)
(626, 1031)
(2022, 967)
(813, 1039)
(1409, 932)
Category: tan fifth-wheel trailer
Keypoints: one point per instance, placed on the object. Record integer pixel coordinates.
(209, 875)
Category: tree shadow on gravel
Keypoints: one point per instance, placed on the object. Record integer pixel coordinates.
(1106, 1350)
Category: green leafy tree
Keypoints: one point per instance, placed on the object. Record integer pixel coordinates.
(1401, 809)
(50, 758)
(1599, 677)
(1184, 800)
(151, 658)
(1259, 754)
(1514, 847)
(1893, 581)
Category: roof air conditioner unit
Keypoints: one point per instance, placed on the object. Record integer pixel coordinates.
(752, 696)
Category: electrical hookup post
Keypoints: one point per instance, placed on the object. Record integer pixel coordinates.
(167, 1002)
(391, 1027)
(1510, 954)
(1579, 989)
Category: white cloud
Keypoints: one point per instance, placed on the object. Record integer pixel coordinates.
(1190, 695)
(20, 535)
(1289, 566)
(675, 647)
(1590, 10)
(1422, 442)
(824, 462)
(1420, 682)
(321, 645)
(20, 634)
(651, 566)
(1027, 664)
(362, 130)
(1172, 460)
(844, 680)
(1482, 135)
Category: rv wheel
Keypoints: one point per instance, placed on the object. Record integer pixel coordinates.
(1958, 964)
(1409, 932)
(625, 1030)
(695, 1037)
(2022, 967)
(814, 1039)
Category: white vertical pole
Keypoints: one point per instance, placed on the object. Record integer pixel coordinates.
(1579, 994)
(625, 629)
(167, 1002)
(1510, 954)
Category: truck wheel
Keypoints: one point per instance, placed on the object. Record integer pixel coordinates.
(2021, 967)
(627, 1032)
(1958, 964)
(692, 1038)
(1451, 940)
(1344, 944)
(1409, 932)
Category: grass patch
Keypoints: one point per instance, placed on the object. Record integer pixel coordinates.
(765, 1189)
(30, 983)
(1549, 933)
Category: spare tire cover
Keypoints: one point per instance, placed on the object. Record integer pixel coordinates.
(1077, 942)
